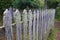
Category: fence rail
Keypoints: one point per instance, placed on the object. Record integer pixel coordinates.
(30, 25)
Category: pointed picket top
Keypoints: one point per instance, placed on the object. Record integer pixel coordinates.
(5, 15)
(30, 13)
(5, 12)
(17, 14)
(17, 11)
(25, 15)
(34, 13)
(25, 11)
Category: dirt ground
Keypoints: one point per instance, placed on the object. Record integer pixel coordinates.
(3, 37)
(57, 25)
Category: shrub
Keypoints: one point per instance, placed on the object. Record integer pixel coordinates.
(4, 4)
(21, 4)
(58, 13)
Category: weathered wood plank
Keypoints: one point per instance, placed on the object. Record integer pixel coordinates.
(37, 24)
(34, 21)
(17, 19)
(40, 26)
(30, 24)
(25, 24)
(7, 20)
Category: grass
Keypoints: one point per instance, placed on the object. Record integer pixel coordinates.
(52, 34)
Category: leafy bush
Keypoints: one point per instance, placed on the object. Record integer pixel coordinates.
(58, 13)
(4, 4)
(21, 4)
(53, 3)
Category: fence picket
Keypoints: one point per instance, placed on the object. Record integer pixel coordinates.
(17, 15)
(37, 25)
(44, 25)
(34, 21)
(40, 26)
(25, 24)
(7, 19)
(30, 25)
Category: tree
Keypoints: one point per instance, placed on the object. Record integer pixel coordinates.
(4, 4)
(21, 4)
(53, 3)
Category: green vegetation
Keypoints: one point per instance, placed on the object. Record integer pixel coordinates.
(56, 5)
(4, 4)
(53, 3)
(52, 34)
(57, 13)
(21, 4)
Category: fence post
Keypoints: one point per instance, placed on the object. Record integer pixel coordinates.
(7, 20)
(17, 19)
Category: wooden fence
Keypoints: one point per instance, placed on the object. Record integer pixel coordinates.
(30, 25)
